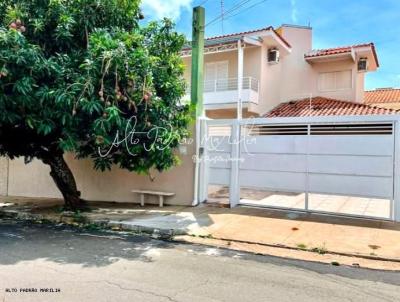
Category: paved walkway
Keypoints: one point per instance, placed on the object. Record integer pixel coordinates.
(249, 225)
(358, 206)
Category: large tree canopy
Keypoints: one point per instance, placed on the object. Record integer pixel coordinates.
(77, 76)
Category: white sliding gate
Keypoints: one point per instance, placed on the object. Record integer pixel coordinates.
(344, 165)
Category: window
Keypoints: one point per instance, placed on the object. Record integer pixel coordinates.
(338, 80)
(216, 76)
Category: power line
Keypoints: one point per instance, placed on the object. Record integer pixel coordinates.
(202, 3)
(246, 9)
(232, 9)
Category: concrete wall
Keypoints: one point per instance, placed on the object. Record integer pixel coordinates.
(3, 176)
(33, 180)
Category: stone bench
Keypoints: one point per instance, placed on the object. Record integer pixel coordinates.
(160, 195)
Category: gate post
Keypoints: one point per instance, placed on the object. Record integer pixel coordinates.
(234, 189)
(396, 168)
(203, 158)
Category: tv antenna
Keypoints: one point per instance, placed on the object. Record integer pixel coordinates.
(222, 15)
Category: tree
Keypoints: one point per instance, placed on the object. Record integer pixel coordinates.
(76, 75)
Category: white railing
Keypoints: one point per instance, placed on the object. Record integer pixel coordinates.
(229, 84)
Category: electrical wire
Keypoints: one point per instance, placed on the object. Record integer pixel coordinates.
(202, 3)
(229, 11)
(246, 9)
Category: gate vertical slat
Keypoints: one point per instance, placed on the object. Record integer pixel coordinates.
(396, 183)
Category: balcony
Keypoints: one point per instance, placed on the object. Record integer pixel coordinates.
(223, 93)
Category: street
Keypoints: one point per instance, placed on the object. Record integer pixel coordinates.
(74, 265)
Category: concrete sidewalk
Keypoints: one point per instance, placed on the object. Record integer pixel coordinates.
(269, 228)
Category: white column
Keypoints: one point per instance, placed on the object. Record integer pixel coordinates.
(240, 80)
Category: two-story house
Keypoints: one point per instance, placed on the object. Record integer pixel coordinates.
(276, 66)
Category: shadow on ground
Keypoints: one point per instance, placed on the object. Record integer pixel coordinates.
(22, 241)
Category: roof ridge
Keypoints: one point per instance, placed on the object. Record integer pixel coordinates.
(240, 33)
(346, 46)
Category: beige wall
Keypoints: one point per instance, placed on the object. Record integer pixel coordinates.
(228, 114)
(345, 94)
(3, 176)
(33, 180)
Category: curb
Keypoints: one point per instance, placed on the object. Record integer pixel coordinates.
(282, 246)
(161, 233)
(153, 232)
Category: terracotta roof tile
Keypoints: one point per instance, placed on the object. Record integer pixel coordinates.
(382, 95)
(340, 50)
(320, 106)
(228, 38)
(334, 51)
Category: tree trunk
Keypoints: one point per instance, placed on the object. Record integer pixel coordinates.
(65, 181)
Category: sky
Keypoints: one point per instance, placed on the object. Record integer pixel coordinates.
(334, 23)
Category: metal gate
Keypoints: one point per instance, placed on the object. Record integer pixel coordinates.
(340, 165)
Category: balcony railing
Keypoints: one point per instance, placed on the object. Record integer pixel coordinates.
(224, 92)
(229, 84)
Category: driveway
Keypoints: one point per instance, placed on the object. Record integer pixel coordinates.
(345, 205)
(108, 267)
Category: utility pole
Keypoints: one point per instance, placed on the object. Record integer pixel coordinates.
(197, 87)
(198, 59)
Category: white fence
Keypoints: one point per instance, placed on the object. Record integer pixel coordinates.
(349, 156)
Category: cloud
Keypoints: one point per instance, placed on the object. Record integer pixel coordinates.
(294, 10)
(158, 9)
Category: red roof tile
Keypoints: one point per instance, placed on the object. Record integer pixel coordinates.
(320, 106)
(240, 34)
(382, 95)
(340, 50)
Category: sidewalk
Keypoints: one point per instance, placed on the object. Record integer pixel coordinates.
(256, 230)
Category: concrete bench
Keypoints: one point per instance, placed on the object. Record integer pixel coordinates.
(160, 195)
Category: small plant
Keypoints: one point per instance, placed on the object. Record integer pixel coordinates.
(335, 263)
(79, 218)
(92, 227)
(302, 246)
(320, 250)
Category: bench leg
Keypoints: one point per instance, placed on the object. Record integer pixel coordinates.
(142, 200)
(161, 201)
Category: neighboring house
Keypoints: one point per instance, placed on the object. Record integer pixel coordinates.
(383, 97)
(278, 66)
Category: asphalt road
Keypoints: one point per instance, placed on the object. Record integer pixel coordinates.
(80, 266)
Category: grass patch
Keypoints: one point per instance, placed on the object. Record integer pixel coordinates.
(301, 246)
(320, 250)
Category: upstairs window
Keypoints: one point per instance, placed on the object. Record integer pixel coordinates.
(337, 80)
